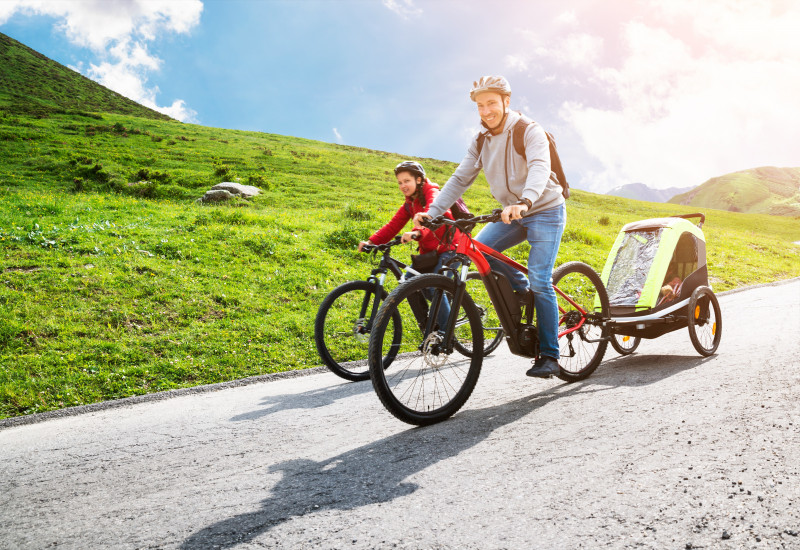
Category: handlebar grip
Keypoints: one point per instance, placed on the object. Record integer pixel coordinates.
(432, 222)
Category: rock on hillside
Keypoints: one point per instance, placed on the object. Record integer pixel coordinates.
(765, 190)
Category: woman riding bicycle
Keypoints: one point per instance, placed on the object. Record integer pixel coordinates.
(419, 193)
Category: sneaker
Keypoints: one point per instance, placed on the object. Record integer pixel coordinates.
(544, 367)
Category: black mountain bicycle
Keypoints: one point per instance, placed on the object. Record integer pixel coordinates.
(428, 381)
(346, 317)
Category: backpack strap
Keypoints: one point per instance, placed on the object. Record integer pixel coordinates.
(480, 141)
(518, 137)
(555, 161)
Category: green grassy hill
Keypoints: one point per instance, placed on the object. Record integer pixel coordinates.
(766, 190)
(113, 282)
(32, 84)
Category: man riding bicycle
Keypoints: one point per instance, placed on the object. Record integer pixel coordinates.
(523, 186)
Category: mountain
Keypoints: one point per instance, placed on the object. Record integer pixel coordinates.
(33, 84)
(641, 192)
(765, 190)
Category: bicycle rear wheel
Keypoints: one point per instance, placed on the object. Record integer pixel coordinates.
(424, 384)
(581, 349)
(492, 331)
(342, 328)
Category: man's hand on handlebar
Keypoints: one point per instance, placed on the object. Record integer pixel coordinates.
(362, 244)
(513, 212)
(419, 216)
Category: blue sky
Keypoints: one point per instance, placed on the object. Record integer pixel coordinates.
(665, 92)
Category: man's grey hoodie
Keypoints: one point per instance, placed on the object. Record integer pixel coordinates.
(510, 177)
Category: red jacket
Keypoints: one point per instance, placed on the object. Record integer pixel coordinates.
(429, 240)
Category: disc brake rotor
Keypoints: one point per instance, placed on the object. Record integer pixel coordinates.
(431, 353)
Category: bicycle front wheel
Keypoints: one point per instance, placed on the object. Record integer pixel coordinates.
(425, 383)
(492, 331)
(583, 309)
(343, 326)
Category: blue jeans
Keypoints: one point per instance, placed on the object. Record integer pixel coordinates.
(444, 308)
(543, 231)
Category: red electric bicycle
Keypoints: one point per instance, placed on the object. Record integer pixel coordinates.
(429, 380)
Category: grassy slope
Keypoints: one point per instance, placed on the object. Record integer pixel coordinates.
(32, 84)
(765, 190)
(113, 282)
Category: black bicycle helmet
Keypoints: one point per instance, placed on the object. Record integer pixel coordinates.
(411, 166)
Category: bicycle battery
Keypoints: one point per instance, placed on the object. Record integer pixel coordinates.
(509, 298)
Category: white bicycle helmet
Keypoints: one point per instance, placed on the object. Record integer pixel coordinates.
(490, 84)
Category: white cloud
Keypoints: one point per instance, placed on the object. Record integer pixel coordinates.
(338, 136)
(403, 8)
(179, 111)
(701, 90)
(575, 49)
(567, 18)
(119, 32)
(516, 62)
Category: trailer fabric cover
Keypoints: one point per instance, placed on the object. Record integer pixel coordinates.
(640, 258)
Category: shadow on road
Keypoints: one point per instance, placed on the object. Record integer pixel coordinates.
(311, 399)
(375, 473)
(633, 370)
(370, 474)
(641, 370)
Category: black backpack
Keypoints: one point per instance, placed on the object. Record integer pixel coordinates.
(518, 137)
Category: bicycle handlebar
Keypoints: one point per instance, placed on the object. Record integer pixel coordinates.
(381, 247)
(464, 224)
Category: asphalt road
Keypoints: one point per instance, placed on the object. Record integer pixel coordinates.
(662, 449)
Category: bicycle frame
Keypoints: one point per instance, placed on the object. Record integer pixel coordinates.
(378, 277)
(517, 333)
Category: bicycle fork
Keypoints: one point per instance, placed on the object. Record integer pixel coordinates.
(455, 306)
(364, 322)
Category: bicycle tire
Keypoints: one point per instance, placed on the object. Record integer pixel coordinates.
(625, 345)
(342, 337)
(423, 386)
(705, 321)
(581, 354)
(493, 333)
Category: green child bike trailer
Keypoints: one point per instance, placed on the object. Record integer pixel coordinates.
(657, 282)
